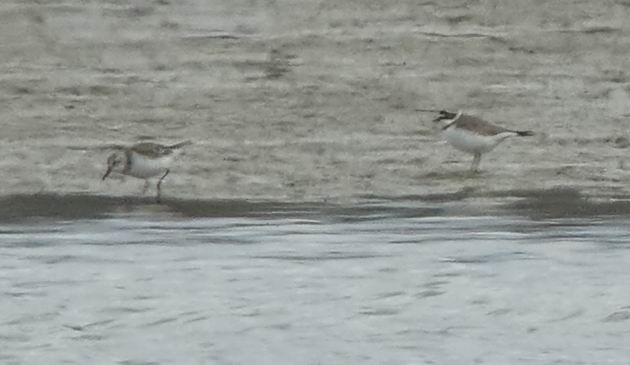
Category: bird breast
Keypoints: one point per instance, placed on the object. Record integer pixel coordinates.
(144, 167)
(471, 142)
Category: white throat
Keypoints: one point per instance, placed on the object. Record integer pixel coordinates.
(446, 122)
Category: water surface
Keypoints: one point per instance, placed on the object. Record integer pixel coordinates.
(386, 281)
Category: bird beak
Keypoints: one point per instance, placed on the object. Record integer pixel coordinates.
(437, 119)
(109, 170)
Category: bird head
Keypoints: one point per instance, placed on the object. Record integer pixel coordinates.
(445, 115)
(116, 162)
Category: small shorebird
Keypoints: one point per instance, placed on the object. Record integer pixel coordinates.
(473, 135)
(143, 161)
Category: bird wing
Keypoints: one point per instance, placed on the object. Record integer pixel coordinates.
(479, 125)
(180, 144)
(150, 149)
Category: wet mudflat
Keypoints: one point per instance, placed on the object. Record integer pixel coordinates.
(308, 101)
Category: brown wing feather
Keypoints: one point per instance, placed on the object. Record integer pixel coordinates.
(150, 149)
(479, 125)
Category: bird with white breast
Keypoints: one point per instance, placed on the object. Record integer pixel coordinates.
(144, 161)
(474, 135)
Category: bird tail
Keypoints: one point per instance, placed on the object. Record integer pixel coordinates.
(179, 145)
(525, 133)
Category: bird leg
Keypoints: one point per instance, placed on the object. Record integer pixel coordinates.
(146, 187)
(474, 168)
(159, 183)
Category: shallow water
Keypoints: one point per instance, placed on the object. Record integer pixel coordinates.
(404, 282)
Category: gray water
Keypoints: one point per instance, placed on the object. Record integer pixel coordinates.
(384, 282)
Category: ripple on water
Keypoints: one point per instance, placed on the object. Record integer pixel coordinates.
(311, 278)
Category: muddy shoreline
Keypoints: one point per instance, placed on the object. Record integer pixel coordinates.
(544, 204)
(312, 101)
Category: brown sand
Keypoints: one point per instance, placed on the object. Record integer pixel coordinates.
(313, 100)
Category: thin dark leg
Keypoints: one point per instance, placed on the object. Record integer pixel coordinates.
(159, 183)
(146, 187)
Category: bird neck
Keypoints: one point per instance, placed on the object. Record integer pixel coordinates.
(446, 123)
(128, 161)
